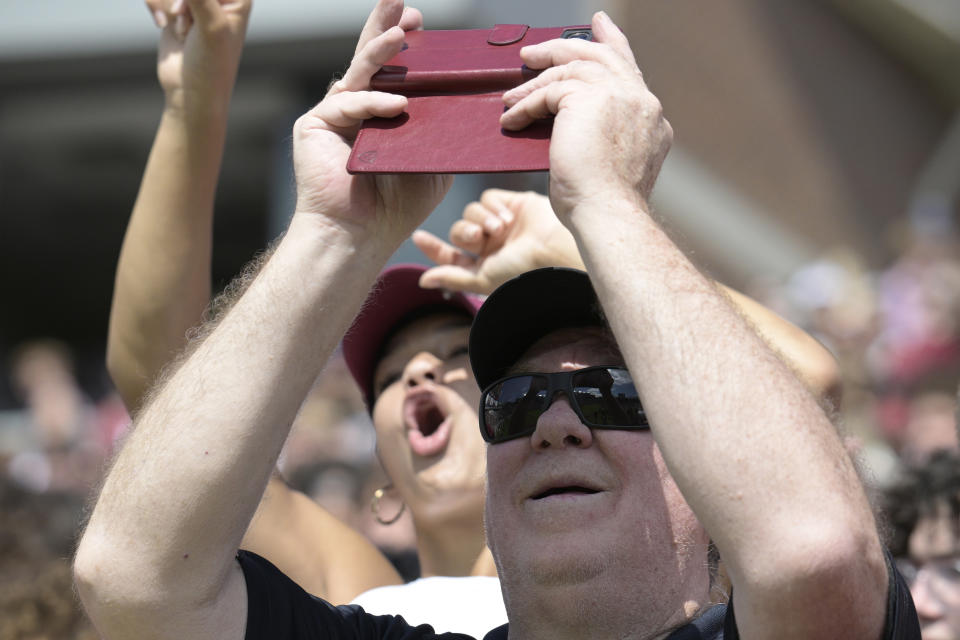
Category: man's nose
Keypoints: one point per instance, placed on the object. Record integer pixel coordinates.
(559, 427)
(421, 368)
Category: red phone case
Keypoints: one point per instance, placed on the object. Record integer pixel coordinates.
(455, 81)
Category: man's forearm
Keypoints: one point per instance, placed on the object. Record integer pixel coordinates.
(809, 359)
(187, 482)
(753, 453)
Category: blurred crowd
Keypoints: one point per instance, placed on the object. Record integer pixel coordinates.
(894, 331)
(896, 335)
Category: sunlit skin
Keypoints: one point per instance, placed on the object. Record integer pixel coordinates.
(424, 383)
(621, 534)
(934, 546)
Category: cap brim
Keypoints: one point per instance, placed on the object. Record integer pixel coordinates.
(525, 309)
(396, 294)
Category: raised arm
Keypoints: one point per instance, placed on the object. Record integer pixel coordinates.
(506, 233)
(752, 452)
(157, 557)
(163, 275)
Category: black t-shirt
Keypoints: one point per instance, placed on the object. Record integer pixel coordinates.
(278, 609)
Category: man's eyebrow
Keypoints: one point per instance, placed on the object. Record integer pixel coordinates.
(520, 366)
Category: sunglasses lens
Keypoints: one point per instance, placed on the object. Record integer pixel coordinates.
(607, 397)
(604, 396)
(512, 406)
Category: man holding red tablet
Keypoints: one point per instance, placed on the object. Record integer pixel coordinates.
(633, 416)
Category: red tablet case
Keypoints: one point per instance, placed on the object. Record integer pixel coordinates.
(455, 82)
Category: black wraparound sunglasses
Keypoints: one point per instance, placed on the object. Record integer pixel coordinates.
(603, 398)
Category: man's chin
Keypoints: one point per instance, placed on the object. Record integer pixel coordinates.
(566, 571)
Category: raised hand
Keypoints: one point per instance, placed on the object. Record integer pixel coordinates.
(388, 206)
(500, 236)
(199, 51)
(609, 136)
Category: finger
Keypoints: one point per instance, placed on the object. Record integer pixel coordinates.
(237, 9)
(577, 69)
(454, 278)
(343, 112)
(439, 251)
(368, 61)
(412, 19)
(182, 23)
(554, 53)
(155, 7)
(205, 12)
(468, 236)
(485, 218)
(605, 31)
(386, 14)
(540, 104)
(505, 202)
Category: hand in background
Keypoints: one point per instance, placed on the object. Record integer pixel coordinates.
(501, 236)
(199, 51)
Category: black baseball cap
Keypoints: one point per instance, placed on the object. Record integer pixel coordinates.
(525, 309)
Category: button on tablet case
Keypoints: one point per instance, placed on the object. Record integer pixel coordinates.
(503, 34)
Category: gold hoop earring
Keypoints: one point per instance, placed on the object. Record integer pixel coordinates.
(375, 506)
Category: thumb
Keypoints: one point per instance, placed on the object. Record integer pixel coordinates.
(453, 278)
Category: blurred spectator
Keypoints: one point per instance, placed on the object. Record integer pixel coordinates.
(924, 517)
(332, 425)
(59, 447)
(37, 535)
(930, 426)
(920, 301)
(335, 486)
(835, 296)
(896, 334)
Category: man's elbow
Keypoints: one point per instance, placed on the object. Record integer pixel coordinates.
(825, 578)
(115, 594)
(127, 599)
(92, 580)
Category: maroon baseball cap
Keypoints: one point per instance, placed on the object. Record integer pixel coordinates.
(395, 296)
